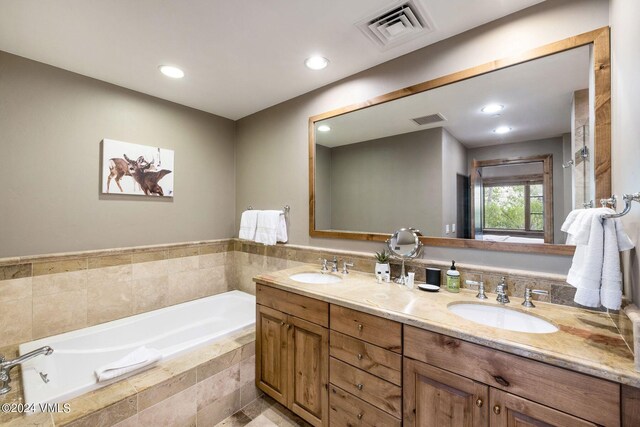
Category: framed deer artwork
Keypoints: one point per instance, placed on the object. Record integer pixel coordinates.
(139, 170)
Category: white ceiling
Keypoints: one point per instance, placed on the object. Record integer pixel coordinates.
(239, 56)
(537, 97)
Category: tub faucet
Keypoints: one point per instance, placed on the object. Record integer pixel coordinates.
(6, 365)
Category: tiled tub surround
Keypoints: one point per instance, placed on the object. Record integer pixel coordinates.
(203, 387)
(48, 295)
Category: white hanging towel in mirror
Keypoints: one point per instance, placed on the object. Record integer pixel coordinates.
(248, 224)
(271, 228)
(595, 270)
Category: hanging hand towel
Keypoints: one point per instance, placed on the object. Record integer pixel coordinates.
(248, 224)
(137, 359)
(268, 226)
(595, 270)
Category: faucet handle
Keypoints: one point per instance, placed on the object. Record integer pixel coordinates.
(324, 264)
(345, 265)
(528, 294)
(480, 285)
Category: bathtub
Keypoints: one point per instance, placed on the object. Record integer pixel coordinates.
(173, 331)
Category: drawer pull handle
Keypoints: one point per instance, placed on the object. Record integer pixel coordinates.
(359, 386)
(359, 415)
(360, 326)
(496, 409)
(479, 403)
(359, 356)
(501, 381)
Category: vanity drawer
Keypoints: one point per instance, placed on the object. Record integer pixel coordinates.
(368, 357)
(384, 333)
(309, 309)
(380, 393)
(584, 396)
(347, 410)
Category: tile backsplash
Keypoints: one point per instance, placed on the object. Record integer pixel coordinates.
(47, 295)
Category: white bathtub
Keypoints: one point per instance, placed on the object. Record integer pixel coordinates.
(172, 330)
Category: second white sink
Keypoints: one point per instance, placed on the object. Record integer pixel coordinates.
(318, 278)
(502, 318)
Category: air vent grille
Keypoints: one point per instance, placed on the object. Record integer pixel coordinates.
(430, 119)
(396, 25)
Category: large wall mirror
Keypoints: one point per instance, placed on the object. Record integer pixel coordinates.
(491, 157)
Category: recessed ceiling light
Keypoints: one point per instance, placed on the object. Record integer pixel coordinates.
(173, 72)
(502, 129)
(324, 128)
(316, 62)
(492, 108)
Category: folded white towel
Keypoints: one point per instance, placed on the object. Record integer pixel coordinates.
(595, 270)
(137, 359)
(271, 227)
(248, 224)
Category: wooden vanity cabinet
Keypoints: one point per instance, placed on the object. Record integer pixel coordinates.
(292, 353)
(522, 391)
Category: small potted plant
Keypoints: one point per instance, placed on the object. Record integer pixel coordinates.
(382, 263)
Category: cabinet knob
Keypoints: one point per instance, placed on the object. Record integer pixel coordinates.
(360, 415)
(359, 386)
(359, 356)
(479, 403)
(282, 323)
(288, 325)
(360, 326)
(496, 409)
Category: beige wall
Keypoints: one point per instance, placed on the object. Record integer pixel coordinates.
(625, 95)
(553, 146)
(278, 135)
(454, 162)
(52, 122)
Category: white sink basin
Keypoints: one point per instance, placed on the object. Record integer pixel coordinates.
(503, 318)
(317, 278)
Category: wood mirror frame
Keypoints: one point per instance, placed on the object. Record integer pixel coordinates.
(599, 39)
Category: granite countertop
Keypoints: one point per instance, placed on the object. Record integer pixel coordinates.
(587, 341)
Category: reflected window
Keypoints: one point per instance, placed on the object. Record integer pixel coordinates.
(514, 207)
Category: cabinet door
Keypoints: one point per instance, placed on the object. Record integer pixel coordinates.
(509, 410)
(435, 397)
(271, 353)
(308, 354)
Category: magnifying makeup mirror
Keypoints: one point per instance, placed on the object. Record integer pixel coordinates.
(405, 244)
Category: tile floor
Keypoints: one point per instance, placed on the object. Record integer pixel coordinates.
(264, 412)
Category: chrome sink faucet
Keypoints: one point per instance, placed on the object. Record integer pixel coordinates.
(345, 267)
(501, 290)
(324, 268)
(528, 296)
(480, 285)
(334, 268)
(6, 365)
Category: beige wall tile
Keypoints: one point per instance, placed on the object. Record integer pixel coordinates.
(249, 350)
(147, 255)
(129, 422)
(159, 392)
(57, 313)
(176, 265)
(212, 414)
(109, 261)
(15, 318)
(15, 289)
(107, 275)
(15, 271)
(218, 386)
(177, 411)
(185, 286)
(215, 259)
(214, 280)
(60, 282)
(144, 270)
(248, 371)
(108, 301)
(52, 267)
(249, 393)
(108, 416)
(149, 293)
(187, 251)
(218, 364)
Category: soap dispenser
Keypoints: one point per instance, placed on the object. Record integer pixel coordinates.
(453, 278)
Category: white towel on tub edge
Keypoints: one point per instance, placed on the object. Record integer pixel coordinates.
(137, 359)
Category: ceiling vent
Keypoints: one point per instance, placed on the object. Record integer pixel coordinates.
(430, 119)
(395, 25)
